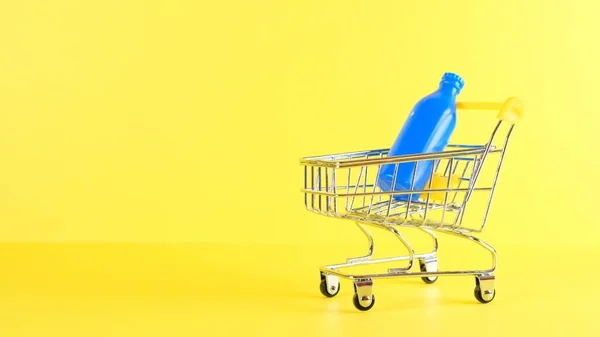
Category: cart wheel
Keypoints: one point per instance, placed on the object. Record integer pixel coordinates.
(329, 291)
(484, 298)
(365, 304)
(330, 285)
(429, 280)
(428, 265)
(484, 291)
(363, 294)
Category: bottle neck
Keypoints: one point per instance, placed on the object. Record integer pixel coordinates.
(448, 89)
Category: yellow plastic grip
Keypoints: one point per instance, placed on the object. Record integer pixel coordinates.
(511, 110)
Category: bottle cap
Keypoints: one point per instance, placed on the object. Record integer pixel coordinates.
(454, 79)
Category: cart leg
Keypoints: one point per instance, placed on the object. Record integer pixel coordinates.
(485, 290)
(363, 299)
(411, 252)
(429, 263)
(433, 239)
(371, 245)
(479, 242)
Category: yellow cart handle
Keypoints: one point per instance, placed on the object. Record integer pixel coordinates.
(511, 110)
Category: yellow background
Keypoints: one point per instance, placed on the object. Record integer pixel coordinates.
(183, 122)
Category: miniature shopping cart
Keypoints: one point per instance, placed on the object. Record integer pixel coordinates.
(345, 186)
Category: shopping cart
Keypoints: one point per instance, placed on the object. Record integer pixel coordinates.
(344, 186)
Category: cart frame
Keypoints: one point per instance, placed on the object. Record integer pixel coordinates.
(369, 206)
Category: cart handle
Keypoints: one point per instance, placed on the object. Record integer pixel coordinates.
(511, 110)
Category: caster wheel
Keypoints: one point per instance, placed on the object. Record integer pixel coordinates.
(363, 305)
(330, 285)
(428, 265)
(429, 280)
(484, 298)
(485, 290)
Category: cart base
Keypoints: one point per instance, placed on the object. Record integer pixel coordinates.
(364, 299)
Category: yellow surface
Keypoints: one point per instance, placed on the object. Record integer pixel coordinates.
(228, 290)
(183, 122)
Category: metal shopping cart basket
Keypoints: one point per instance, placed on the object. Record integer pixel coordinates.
(345, 186)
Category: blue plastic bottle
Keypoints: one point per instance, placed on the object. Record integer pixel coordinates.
(427, 129)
